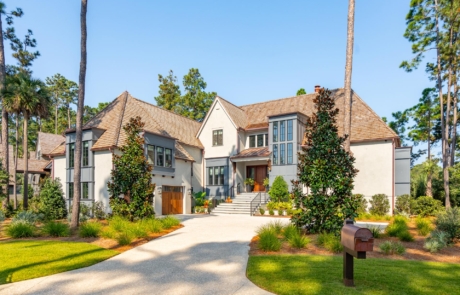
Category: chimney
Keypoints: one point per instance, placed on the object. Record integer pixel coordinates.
(317, 88)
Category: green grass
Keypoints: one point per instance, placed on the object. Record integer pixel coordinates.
(295, 274)
(22, 260)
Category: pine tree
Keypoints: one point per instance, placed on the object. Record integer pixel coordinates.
(326, 169)
(131, 176)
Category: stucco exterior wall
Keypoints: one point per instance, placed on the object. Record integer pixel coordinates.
(59, 169)
(102, 169)
(374, 160)
(197, 178)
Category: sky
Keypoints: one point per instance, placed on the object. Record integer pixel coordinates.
(247, 51)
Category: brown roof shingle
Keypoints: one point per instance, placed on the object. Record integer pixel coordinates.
(48, 142)
(253, 152)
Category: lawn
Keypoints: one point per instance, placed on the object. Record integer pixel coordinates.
(296, 274)
(22, 260)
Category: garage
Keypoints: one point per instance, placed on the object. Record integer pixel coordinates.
(172, 200)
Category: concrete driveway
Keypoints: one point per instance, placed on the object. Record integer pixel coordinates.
(207, 256)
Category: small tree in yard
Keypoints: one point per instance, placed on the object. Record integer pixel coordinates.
(279, 191)
(131, 187)
(326, 169)
(51, 200)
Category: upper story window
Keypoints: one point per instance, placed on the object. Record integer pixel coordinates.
(275, 131)
(85, 153)
(168, 158)
(282, 153)
(282, 130)
(275, 154)
(71, 155)
(258, 140)
(217, 137)
(289, 130)
(289, 153)
(159, 156)
(151, 154)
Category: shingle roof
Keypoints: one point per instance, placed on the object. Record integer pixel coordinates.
(35, 166)
(253, 152)
(59, 150)
(49, 142)
(237, 115)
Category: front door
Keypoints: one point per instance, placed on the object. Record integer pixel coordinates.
(258, 173)
(172, 200)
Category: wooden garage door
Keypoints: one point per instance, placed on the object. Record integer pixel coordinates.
(172, 200)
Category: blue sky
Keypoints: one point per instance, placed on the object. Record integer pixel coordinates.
(247, 51)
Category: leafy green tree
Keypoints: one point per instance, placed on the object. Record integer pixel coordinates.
(91, 112)
(63, 92)
(279, 191)
(327, 171)
(51, 200)
(169, 95)
(131, 187)
(301, 91)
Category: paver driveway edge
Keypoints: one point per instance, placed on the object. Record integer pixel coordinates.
(207, 256)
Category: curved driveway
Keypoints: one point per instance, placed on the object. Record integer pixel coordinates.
(207, 256)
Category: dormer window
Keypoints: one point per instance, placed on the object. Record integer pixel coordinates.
(217, 137)
(159, 156)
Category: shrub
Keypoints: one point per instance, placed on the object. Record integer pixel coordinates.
(423, 226)
(90, 229)
(376, 231)
(169, 221)
(449, 222)
(108, 233)
(2, 216)
(153, 225)
(20, 229)
(330, 241)
(427, 206)
(28, 216)
(390, 248)
(118, 223)
(298, 241)
(438, 239)
(403, 204)
(289, 231)
(395, 229)
(261, 211)
(405, 236)
(56, 229)
(362, 204)
(98, 210)
(289, 211)
(279, 191)
(268, 240)
(51, 200)
(271, 212)
(124, 238)
(275, 226)
(199, 198)
(380, 205)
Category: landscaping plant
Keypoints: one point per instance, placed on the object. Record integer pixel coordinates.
(275, 226)
(153, 225)
(279, 191)
(449, 222)
(51, 200)
(403, 205)
(28, 216)
(131, 176)
(327, 170)
(20, 229)
(298, 241)
(399, 228)
(56, 229)
(98, 210)
(390, 248)
(423, 226)
(376, 231)
(329, 241)
(362, 208)
(437, 240)
(271, 212)
(261, 211)
(380, 205)
(90, 229)
(169, 221)
(289, 231)
(268, 239)
(2, 216)
(427, 206)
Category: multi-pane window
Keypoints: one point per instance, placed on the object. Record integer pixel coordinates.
(85, 191)
(151, 154)
(71, 155)
(289, 153)
(70, 190)
(85, 153)
(252, 141)
(275, 131)
(289, 130)
(160, 156)
(266, 139)
(260, 140)
(275, 154)
(168, 158)
(217, 137)
(282, 153)
(216, 175)
(282, 130)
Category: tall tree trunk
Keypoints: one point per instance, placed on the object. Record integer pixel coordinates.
(429, 191)
(4, 138)
(80, 106)
(348, 69)
(55, 118)
(68, 115)
(25, 183)
(16, 154)
(454, 127)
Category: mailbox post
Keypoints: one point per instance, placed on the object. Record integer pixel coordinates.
(356, 241)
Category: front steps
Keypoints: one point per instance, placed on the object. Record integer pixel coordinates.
(241, 204)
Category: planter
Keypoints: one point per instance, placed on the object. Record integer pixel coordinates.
(206, 210)
(249, 188)
(276, 212)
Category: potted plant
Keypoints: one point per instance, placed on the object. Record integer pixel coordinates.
(228, 200)
(205, 206)
(249, 182)
(266, 182)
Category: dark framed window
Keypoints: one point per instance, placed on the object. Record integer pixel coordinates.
(217, 137)
(275, 154)
(210, 176)
(260, 140)
(289, 130)
(289, 153)
(275, 131)
(282, 130)
(168, 158)
(221, 175)
(282, 153)
(85, 153)
(252, 141)
(216, 175)
(70, 190)
(151, 154)
(266, 139)
(160, 156)
(85, 190)
(71, 155)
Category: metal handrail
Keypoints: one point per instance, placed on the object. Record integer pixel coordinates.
(255, 203)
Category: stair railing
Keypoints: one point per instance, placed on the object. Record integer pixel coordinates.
(255, 203)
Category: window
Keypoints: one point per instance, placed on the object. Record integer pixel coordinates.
(217, 137)
(266, 139)
(216, 175)
(289, 130)
(85, 153)
(168, 158)
(275, 154)
(70, 190)
(252, 141)
(71, 155)
(275, 131)
(260, 140)
(282, 130)
(160, 156)
(85, 191)
(282, 153)
(151, 154)
(289, 153)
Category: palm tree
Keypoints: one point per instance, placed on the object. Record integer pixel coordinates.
(348, 68)
(80, 110)
(29, 97)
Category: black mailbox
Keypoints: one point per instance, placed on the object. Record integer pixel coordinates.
(356, 241)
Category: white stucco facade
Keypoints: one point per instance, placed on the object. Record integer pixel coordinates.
(102, 169)
(59, 171)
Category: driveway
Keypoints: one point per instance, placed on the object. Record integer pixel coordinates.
(207, 256)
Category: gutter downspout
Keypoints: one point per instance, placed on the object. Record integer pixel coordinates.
(203, 179)
(393, 179)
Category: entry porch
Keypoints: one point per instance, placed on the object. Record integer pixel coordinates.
(251, 163)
